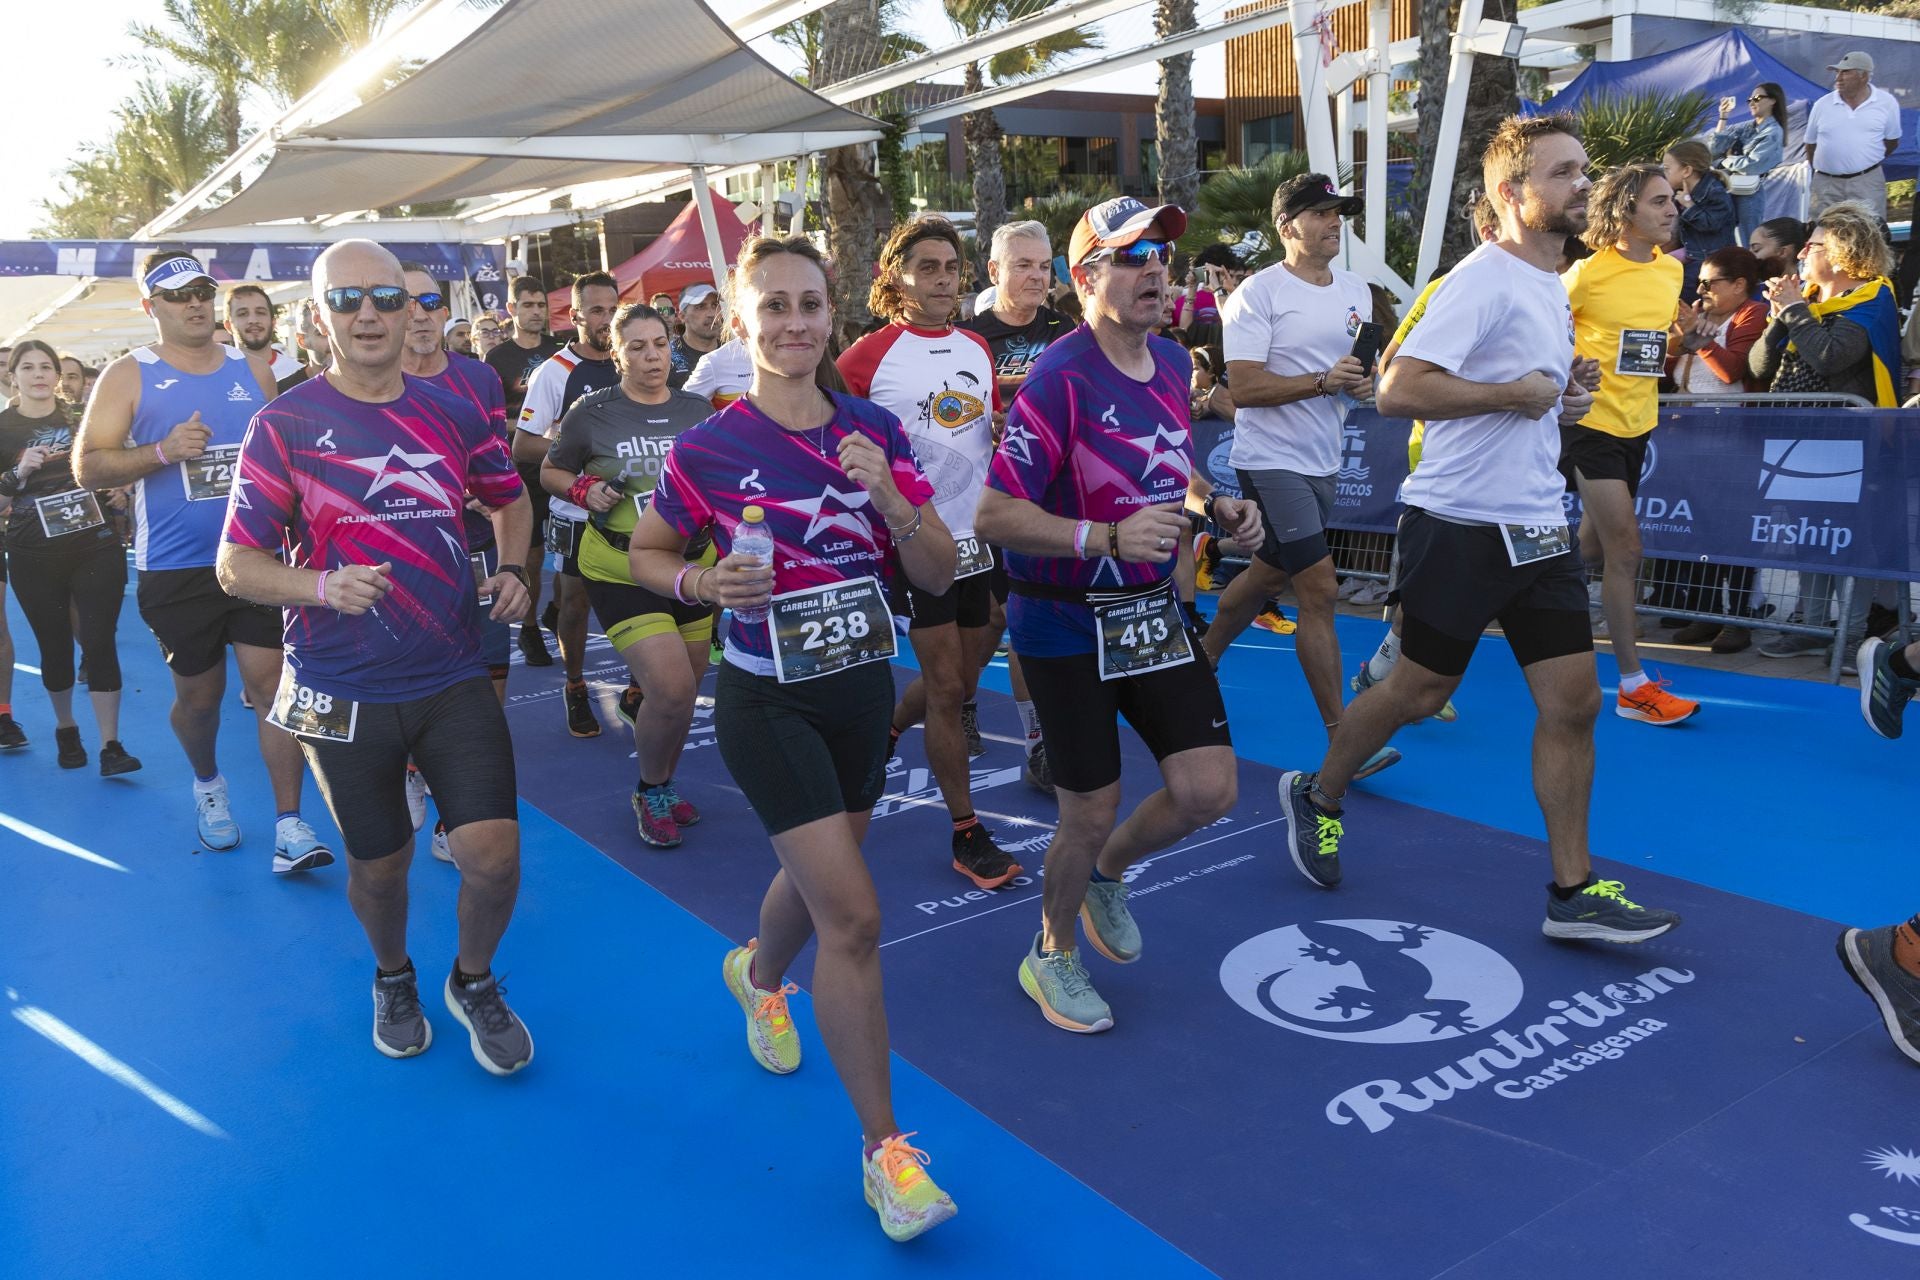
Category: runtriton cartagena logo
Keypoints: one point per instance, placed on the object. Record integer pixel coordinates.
(1811, 470)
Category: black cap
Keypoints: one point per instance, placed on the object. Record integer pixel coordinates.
(1313, 191)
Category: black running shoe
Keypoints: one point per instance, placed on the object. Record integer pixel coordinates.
(550, 616)
(970, 725)
(1196, 622)
(581, 722)
(980, 860)
(72, 752)
(533, 646)
(1313, 835)
(11, 734)
(114, 760)
(1883, 695)
(629, 708)
(80, 675)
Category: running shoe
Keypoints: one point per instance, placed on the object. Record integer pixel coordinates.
(297, 848)
(684, 814)
(1196, 621)
(1790, 644)
(1652, 704)
(400, 1029)
(115, 761)
(1883, 695)
(899, 1190)
(1271, 619)
(500, 1041)
(1313, 835)
(416, 798)
(214, 818)
(581, 722)
(980, 860)
(628, 708)
(246, 699)
(970, 725)
(1109, 925)
(1206, 562)
(771, 1037)
(1370, 592)
(533, 646)
(1384, 758)
(72, 753)
(1058, 983)
(654, 808)
(11, 734)
(1868, 957)
(1039, 770)
(1602, 911)
(442, 847)
(1363, 680)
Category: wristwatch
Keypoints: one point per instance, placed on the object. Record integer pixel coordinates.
(1206, 505)
(517, 570)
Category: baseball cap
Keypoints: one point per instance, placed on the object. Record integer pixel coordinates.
(984, 300)
(1117, 223)
(453, 324)
(1313, 191)
(1854, 62)
(694, 294)
(174, 273)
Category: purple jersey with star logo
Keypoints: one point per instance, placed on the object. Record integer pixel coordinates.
(1085, 441)
(335, 481)
(824, 526)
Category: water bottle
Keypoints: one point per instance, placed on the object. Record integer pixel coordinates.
(752, 538)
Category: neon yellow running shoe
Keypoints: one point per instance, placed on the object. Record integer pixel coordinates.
(771, 1037)
(899, 1190)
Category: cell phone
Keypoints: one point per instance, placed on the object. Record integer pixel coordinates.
(1366, 345)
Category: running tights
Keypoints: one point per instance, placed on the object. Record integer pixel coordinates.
(51, 588)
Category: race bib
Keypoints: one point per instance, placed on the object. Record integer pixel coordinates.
(75, 511)
(308, 713)
(974, 556)
(209, 477)
(1643, 353)
(820, 630)
(560, 536)
(480, 575)
(1141, 635)
(1527, 543)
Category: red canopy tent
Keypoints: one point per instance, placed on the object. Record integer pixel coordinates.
(676, 259)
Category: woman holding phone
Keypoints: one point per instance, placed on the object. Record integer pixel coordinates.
(1749, 151)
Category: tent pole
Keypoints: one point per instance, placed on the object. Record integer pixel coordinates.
(800, 177)
(1379, 87)
(716, 253)
(767, 211)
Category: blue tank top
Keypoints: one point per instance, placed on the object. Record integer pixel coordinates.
(178, 513)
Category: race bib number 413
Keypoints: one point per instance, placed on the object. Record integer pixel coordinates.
(1140, 635)
(820, 630)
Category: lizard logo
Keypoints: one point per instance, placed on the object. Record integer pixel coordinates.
(1373, 981)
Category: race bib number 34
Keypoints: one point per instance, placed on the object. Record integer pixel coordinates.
(72, 512)
(209, 477)
(308, 713)
(1138, 636)
(820, 630)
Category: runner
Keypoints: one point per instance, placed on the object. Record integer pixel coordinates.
(487, 335)
(1018, 327)
(1492, 371)
(939, 382)
(515, 360)
(66, 565)
(457, 335)
(1289, 339)
(1624, 297)
(12, 736)
(168, 419)
(723, 374)
(1088, 493)
(803, 730)
(699, 334)
(607, 458)
(250, 316)
(382, 657)
(1886, 964)
(585, 365)
(1888, 679)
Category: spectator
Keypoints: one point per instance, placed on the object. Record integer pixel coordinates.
(1777, 243)
(1706, 210)
(1850, 133)
(73, 378)
(1749, 152)
(487, 334)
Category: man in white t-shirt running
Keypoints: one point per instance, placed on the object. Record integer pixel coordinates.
(1492, 372)
(1289, 333)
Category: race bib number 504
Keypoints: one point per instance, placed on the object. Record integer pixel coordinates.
(820, 630)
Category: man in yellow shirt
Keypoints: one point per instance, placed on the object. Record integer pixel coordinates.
(1624, 300)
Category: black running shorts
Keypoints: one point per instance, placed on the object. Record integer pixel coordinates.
(539, 499)
(806, 751)
(195, 620)
(1453, 580)
(1600, 456)
(457, 737)
(968, 602)
(1174, 709)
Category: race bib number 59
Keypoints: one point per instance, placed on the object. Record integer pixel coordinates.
(820, 630)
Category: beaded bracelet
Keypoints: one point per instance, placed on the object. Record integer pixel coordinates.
(320, 589)
(1113, 538)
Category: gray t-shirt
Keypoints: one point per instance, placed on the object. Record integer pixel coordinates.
(608, 435)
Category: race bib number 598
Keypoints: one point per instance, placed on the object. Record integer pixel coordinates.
(309, 713)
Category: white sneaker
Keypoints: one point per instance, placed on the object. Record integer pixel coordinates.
(416, 798)
(1371, 593)
(441, 849)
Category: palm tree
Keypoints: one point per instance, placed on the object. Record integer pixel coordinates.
(1491, 97)
(1621, 130)
(1179, 167)
(1238, 200)
(981, 129)
(852, 44)
(807, 38)
(221, 42)
(165, 140)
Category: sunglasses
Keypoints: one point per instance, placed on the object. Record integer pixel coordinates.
(1708, 284)
(427, 301)
(1137, 254)
(1760, 97)
(386, 297)
(189, 293)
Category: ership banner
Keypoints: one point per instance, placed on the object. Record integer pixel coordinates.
(1830, 490)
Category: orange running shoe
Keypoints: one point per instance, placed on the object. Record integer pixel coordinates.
(900, 1191)
(1271, 619)
(1652, 704)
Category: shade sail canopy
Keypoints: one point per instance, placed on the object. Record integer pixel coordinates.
(548, 94)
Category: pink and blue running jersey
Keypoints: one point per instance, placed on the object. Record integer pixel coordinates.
(475, 381)
(824, 526)
(336, 481)
(1085, 441)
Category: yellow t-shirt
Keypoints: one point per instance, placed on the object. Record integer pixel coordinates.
(1621, 313)
(1414, 313)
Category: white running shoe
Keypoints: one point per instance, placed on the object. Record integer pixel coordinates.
(416, 798)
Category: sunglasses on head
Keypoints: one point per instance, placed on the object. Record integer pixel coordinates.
(1137, 254)
(386, 297)
(187, 293)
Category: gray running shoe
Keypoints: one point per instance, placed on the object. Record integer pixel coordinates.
(1313, 835)
(501, 1042)
(1109, 925)
(1792, 645)
(970, 725)
(400, 1029)
(1868, 956)
(1058, 983)
(1883, 695)
(1039, 770)
(1602, 912)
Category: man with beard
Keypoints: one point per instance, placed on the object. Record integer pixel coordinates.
(515, 360)
(250, 317)
(1492, 372)
(457, 335)
(699, 332)
(585, 365)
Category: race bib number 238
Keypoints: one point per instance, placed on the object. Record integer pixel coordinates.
(820, 630)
